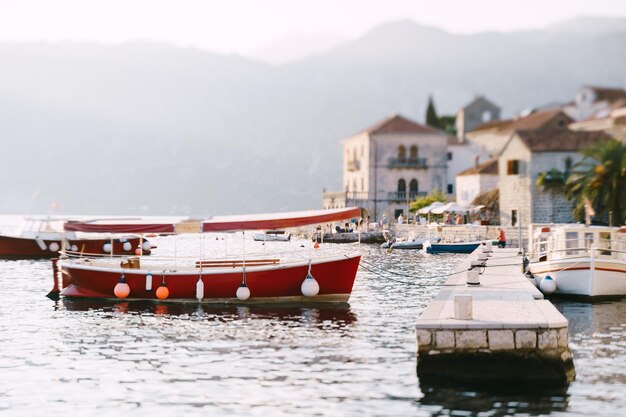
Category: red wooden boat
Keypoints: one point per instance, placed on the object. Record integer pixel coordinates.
(40, 239)
(268, 280)
(17, 247)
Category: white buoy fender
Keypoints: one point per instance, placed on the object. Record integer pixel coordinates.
(243, 292)
(74, 248)
(41, 244)
(547, 285)
(200, 289)
(106, 248)
(54, 247)
(127, 246)
(146, 246)
(149, 282)
(310, 287)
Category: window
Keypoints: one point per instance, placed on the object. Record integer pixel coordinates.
(486, 116)
(604, 242)
(512, 167)
(450, 188)
(399, 212)
(413, 153)
(413, 186)
(449, 156)
(401, 153)
(571, 242)
(514, 217)
(401, 186)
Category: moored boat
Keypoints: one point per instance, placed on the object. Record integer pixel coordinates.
(459, 247)
(581, 261)
(44, 238)
(417, 243)
(267, 280)
(272, 236)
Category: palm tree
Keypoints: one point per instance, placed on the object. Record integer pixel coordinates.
(600, 177)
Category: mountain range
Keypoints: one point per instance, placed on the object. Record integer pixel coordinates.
(150, 128)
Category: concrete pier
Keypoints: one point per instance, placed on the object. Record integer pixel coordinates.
(500, 330)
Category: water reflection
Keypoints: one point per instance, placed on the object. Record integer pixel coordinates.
(447, 400)
(315, 313)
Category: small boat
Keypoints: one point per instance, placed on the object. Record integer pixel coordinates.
(417, 243)
(266, 280)
(580, 261)
(460, 247)
(272, 236)
(43, 238)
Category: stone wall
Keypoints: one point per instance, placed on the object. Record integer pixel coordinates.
(460, 233)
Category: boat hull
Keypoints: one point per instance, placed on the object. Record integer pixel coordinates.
(267, 284)
(452, 247)
(582, 277)
(13, 247)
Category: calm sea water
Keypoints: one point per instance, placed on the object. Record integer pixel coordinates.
(104, 358)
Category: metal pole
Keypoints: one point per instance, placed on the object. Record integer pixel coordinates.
(519, 224)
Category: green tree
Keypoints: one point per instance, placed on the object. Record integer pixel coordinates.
(552, 181)
(431, 114)
(448, 124)
(420, 202)
(600, 178)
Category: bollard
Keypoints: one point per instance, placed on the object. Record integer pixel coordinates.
(488, 246)
(54, 293)
(482, 257)
(473, 277)
(477, 264)
(463, 307)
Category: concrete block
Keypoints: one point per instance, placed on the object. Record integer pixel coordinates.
(547, 339)
(471, 339)
(423, 337)
(525, 339)
(501, 340)
(463, 307)
(562, 337)
(444, 339)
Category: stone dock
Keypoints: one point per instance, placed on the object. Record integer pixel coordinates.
(500, 331)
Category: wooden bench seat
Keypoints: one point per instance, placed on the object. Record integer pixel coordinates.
(236, 263)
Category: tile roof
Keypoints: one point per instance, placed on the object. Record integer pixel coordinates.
(489, 167)
(608, 94)
(534, 120)
(559, 140)
(400, 124)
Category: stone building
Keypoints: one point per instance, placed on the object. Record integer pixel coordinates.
(527, 154)
(613, 123)
(476, 180)
(493, 136)
(479, 111)
(390, 164)
(595, 102)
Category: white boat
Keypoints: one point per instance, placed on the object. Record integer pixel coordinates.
(272, 236)
(583, 261)
(415, 243)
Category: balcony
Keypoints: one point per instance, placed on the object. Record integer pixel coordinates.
(357, 195)
(354, 165)
(402, 196)
(416, 163)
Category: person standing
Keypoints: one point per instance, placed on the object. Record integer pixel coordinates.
(501, 238)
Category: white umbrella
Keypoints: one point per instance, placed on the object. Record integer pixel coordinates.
(449, 207)
(429, 208)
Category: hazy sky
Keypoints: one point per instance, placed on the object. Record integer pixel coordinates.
(238, 26)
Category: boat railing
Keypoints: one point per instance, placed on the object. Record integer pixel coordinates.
(552, 249)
